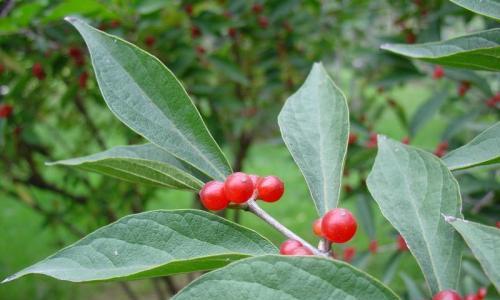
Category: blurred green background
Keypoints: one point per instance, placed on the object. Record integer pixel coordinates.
(239, 60)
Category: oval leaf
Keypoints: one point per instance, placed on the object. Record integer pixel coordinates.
(484, 241)
(314, 123)
(484, 149)
(479, 51)
(150, 244)
(285, 277)
(413, 189)
(148, 98)
(488, 8)
(140, 164)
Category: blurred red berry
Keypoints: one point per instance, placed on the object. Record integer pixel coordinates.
(263, 22)
(288, 246)
(481, 293)
(200, 50)
(317, 227)
(352, 138)
(349, 254)
(115, 23)
(401, 243)
(339, 225)
(150, 41)
(212, 196)
(38, 71)
(372, 140)
(238, 187)
(441, 149)
(373, 247)
(497, 224)
(463, 87)
(189, 9)
(195, 32)
(347, 188)
(270, 188)
(471, 297)
(82, 80)
(5, 111)
(227, 14)
(438, 72)
(410, 37)
(447, 295)
(493, 101)
(75, 52)
(405, 140)
(391, 102)
(2, 69)
(301, 251)
(257, 8)
(232, 32)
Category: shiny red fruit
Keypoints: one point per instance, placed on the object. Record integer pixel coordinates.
(349, 254)
(481, 293)
(212, 196)
(373, 247)
(401, 243)
(270, 188)
(288, 246)
(447, 295)
(301, 251)
(438, 72)
(238, 187)
(5, 111)
(339, 225)
(317, 227)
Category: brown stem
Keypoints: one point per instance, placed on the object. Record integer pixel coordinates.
(170, 285)
(158, 290)
(128, 291)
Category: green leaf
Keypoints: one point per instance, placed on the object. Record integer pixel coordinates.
(140, 164)
(229, 69)
(484, 241)
(314, 123)
(488, 8)
(413, 189)
(484, 149)
(427, 110)
(365, 215)
(414, 292)
(149, 99)
(286, 277)
(479, 51)
(391, 267)
(151, 244)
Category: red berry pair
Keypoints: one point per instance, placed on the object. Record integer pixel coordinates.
(338, 225)
(238, 188)
(293, 247)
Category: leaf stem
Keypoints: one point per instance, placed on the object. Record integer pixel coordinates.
(259, 212)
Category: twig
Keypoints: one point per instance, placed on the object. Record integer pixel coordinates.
(128, 290)
(259, 212)
(170, 284)
(158, 290)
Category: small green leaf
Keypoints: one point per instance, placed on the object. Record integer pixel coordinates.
(286, 278)
(140, 164)
(149, 99)
(314, 123)
(488, 8)
(484, 149)
(484, 241)
(151, 244)
(479, 51)
(413, 189)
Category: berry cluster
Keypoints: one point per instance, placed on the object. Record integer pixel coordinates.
(453, 295)
(239, 188)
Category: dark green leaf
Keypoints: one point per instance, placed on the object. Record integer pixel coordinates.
(314, 123)
(413, 189)
(286, 277)
(484, 149)
(488, 8)
(149, 99)
(140, 164)
(151, 244)
(479, 51)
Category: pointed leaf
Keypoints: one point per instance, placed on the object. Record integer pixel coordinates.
(286, 278)
(488, 8)
(484, 149)
(148, 98)
(314, 123)
(484, 241)
(479, 51)
(151, 244)
(413, 189)
(140, 164)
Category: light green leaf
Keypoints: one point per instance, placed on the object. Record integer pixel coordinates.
(479, 51)
(488, 8)
(151, 244)
(484, 149)
(314, 123)
(149, 99)
(286, 278)
(140, 164)
(484, 241)
(413, 189)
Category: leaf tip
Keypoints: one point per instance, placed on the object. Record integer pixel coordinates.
(70, 19)
(449, 219)
(8, 279)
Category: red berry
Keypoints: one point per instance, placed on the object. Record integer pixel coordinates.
(195, 32)
(255, 179)
(339, 225)
(212, 196)
(373, 247)
(471, 297)
(405, 140)
(410, 37)
(2, 69)
(82, 80)
(5, 111)
(301, 251)
(401, 243)
(447, 295)
(317, 227)
(463, 88)
(238, 187)
(200, 50)
(497, 224)
(232, 32)
(288, 246)
(38, 71)
(263, 22)
(347, 188)
(270, 188)
(372, 141)
(481, 293)
(150, 41)
(352, 138)
(349, 254)
(75, 52)
(189, 9)
(114, 23)
(257, 8)
(441, 148)
(438, 72)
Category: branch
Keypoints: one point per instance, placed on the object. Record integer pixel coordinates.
(259, 212)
